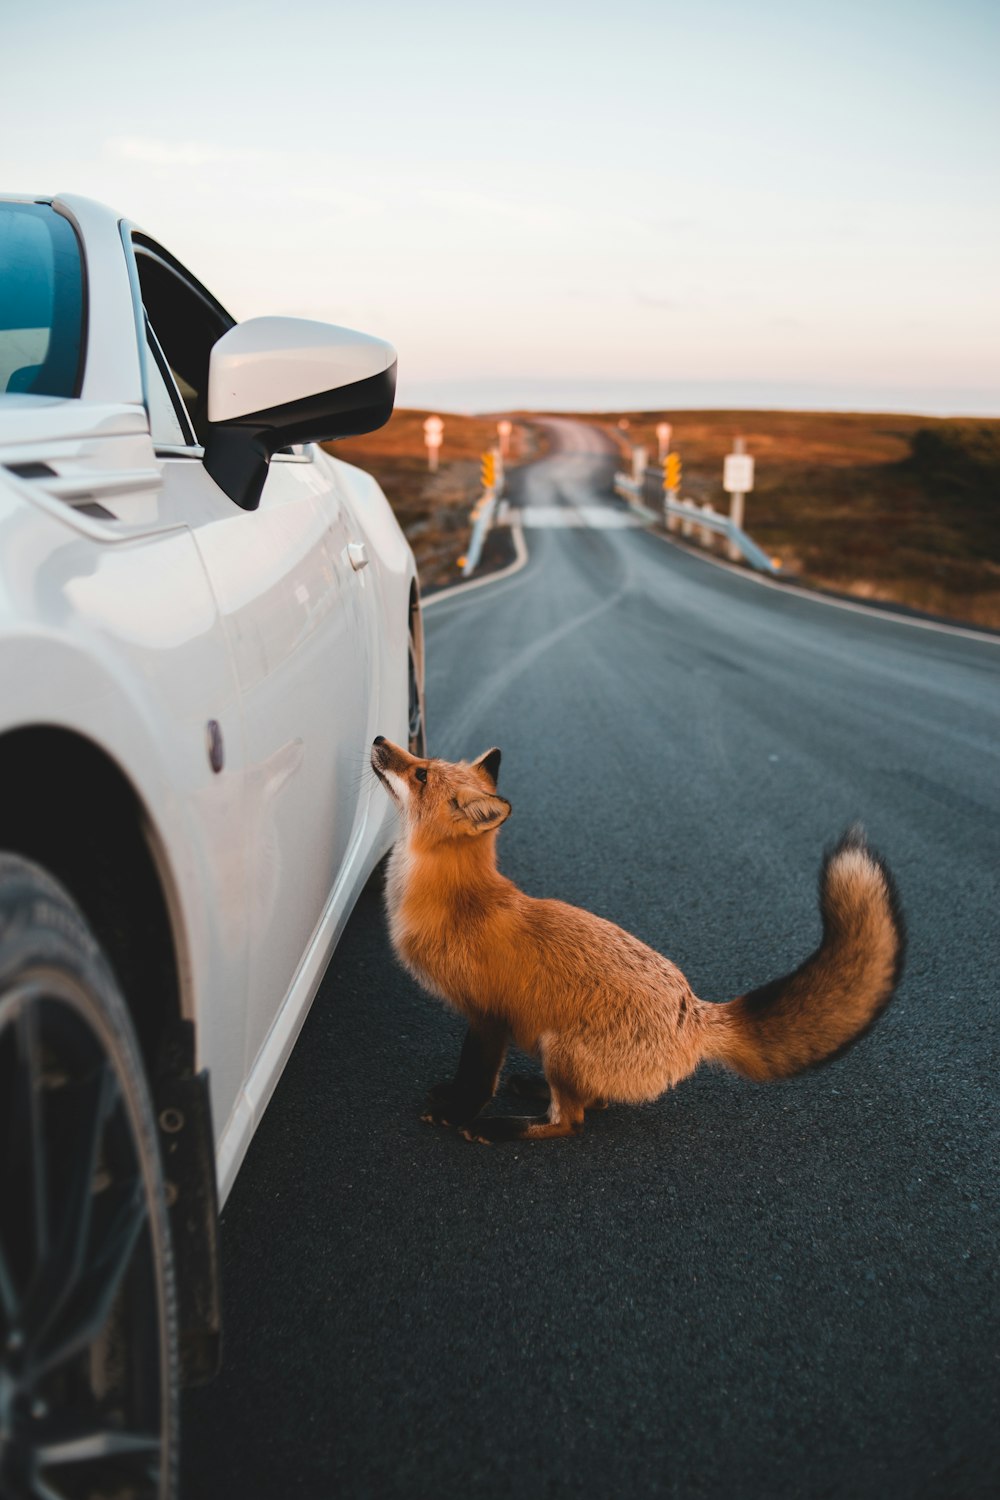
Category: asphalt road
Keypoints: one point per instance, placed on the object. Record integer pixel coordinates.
(741, 1291)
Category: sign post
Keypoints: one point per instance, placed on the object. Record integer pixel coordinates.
(433, 434)
(737, 481)
(640, 459)
(663, 431)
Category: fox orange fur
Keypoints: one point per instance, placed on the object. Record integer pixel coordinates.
(611, 1019)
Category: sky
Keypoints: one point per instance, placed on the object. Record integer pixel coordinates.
(593, 206)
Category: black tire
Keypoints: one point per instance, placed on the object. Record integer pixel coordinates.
(88, 1335)
(416, 728)
(417, 745)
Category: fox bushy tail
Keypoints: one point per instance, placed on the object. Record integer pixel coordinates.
(832, 999)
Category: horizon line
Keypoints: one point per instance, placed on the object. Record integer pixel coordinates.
(484, 395)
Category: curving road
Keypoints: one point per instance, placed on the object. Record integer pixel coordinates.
(741, 1291)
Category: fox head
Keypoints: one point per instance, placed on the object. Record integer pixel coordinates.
(442, 801)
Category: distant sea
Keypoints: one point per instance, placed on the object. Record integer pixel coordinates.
(483, 394)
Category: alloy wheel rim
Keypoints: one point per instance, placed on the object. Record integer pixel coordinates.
(82, 1390)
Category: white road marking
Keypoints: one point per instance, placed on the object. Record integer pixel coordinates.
(520, 558)
(594, 517)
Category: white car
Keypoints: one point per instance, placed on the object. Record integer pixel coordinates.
(204, 620)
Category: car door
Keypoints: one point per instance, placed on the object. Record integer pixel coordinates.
(299, 614)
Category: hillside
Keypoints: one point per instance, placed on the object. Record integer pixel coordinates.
(891, 507)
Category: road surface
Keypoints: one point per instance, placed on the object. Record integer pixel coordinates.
(742, 1290)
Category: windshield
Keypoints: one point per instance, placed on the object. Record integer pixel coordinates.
(41, 301)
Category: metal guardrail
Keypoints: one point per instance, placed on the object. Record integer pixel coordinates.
(704, 517)
(482, 519)
(633, 490)
(636, 490)
(708, 518)
(491, 477)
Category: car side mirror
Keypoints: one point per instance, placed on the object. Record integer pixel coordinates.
(276, 381)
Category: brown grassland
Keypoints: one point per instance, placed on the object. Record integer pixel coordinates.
(889, 507)
(433, 509)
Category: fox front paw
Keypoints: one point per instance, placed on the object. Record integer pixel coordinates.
(446, 1105)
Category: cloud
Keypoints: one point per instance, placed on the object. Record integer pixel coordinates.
(340, 201)
(467, 203)
(683, 224)
(651, 299)
(183, 153)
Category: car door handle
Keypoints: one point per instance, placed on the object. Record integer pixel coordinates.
(358, 553)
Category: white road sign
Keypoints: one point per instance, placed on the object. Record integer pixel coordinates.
(737, 474)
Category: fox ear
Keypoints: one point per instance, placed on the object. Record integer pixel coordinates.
(489, 761)
(483, 814)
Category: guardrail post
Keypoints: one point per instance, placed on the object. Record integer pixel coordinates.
(433, 435)
(498, 469)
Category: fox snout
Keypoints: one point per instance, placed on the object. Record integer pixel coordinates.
(389, 757)
(393, 767)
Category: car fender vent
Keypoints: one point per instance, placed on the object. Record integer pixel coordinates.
(77, 491)
(91, 508)
(31, 471)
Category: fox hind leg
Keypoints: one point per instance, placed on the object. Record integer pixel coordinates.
(530, 1086)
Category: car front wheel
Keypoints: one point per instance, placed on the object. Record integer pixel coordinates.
(88, 1340)
(417, 733)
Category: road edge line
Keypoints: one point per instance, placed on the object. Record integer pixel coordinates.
(521, 557)
(967, 632)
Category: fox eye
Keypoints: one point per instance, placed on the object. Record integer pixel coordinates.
(421, 773)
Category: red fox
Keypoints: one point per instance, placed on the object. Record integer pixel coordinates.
(611, 1020)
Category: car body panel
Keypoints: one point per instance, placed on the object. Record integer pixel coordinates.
(91, 642)
(299, 621)
(137, 603)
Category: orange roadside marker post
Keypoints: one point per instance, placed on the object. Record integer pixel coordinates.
(671, 486)
(488, 470)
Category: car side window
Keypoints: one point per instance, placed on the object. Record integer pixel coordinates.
(165, 424)
(186, 321)
(41, 302)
